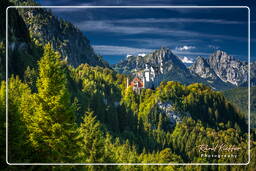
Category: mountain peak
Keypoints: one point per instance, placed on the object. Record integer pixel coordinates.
(200, 58)
(164, 54)
(221, 56)
(201, 68)
(200, 61)
(165, 50)
(220, 52)
(222, 65)
(64, 36)
(162, 48)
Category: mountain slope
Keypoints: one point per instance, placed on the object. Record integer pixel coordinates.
(228, 68)
(65, 37)
(239, 97)
(203, 69)
(222, 67)
(22, 51)
(173, 68)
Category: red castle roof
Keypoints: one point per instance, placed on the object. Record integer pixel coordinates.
(136, 82)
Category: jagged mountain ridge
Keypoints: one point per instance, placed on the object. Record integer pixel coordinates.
(164, 55)
(224, 67)
(173, 68)
(44, 27)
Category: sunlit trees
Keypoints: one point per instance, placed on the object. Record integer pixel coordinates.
(119, 125)
(90, 140)
(18, 148)
(52, 126)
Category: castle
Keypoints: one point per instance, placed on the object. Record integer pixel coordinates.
(150, 77)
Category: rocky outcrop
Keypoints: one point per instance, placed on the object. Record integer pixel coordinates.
(228, 68)
(163, 59)
(203, 69)
(167, 109)
(222, 67)
(65, 37)
(21, 50)
(173, 68)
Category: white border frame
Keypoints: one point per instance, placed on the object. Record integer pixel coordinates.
(154, 7)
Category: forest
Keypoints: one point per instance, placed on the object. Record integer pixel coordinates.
(57, 112)
(63, 113)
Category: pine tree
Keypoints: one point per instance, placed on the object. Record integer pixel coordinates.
(90, 140)
(30, 76)
(52, 128)
(18, 148)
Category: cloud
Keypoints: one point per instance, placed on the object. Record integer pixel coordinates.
(103, 26)
(188, 53)
(113, 2)
(126, 50)
(111, 27)
(142, 54)
(69, 9)
(177, 20)
(119, 50)
(186, 60)
(151, 42)
(185, 48)
(65, 3)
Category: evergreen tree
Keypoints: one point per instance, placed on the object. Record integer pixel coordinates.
(90, 141)
(18, 148)
(52, 127)
(30, 77)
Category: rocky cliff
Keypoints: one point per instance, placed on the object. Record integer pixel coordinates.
(44, 27)
(163, 58)
(225, 67)
(173, 68)
(22, 51)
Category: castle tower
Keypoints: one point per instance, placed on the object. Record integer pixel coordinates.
(143, 81)
(127, 82)
(153, 73)
(147, 74)
(161, 67)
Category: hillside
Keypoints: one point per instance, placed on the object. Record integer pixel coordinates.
(68, 106)
(239, 97)
(44, 27)
(98, 100)
(22, 51)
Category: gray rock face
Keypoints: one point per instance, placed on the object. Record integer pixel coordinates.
(221, 66)
(253, 73)
(173, 115)
(203, 69)
(229, 69)
(163, 59)
(66, 38)
(167, 109)
(175, 70)
(165, 56)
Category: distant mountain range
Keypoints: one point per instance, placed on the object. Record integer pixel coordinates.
(220, 70)
(38, 27)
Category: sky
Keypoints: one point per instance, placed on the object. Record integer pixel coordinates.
(117, 32)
